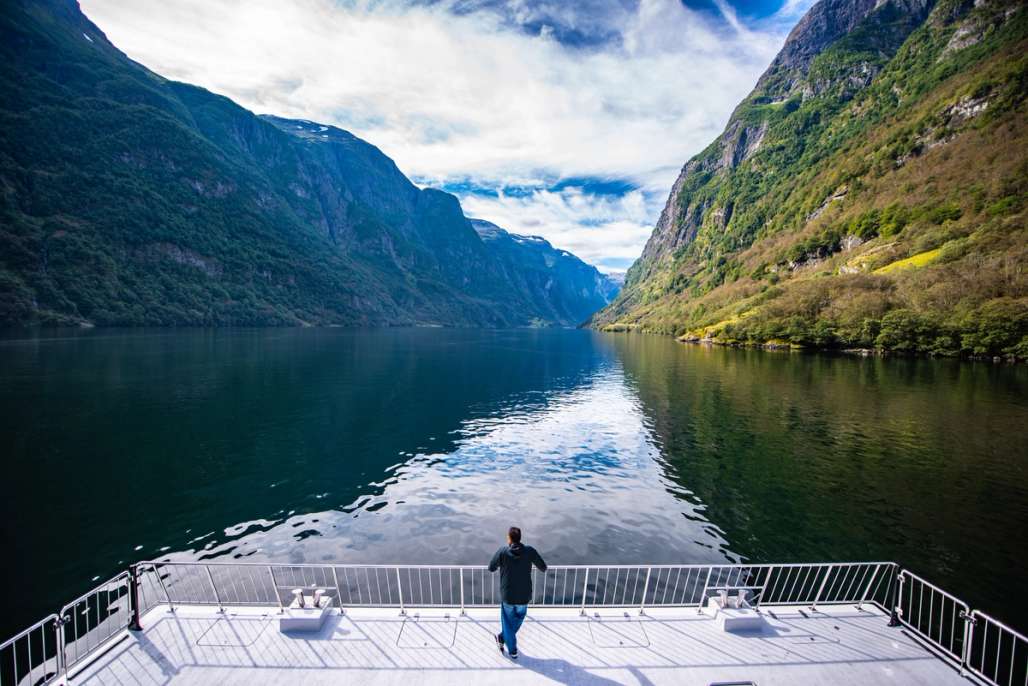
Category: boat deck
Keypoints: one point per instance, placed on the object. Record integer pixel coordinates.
(837, 644)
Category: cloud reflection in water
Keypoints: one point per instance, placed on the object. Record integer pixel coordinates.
(578, 470)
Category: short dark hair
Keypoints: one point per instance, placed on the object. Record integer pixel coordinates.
(514, 534)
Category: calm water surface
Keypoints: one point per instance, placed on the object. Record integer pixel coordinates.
(422, 446)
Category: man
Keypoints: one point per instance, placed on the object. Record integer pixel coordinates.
(515, 562)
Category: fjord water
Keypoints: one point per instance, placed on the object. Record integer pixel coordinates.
(423, 445)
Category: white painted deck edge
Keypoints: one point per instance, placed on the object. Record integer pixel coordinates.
(835, 645)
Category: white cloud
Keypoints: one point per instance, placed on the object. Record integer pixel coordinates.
(469, 96)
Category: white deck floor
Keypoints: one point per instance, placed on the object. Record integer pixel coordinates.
(835, 645)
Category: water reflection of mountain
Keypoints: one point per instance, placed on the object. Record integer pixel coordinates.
(412, 445)
(203, 437)
(802, 457)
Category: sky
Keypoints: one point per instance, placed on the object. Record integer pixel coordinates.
(564, 119)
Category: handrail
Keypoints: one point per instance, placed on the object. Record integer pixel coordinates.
(26, 632)
(988, 659)
(92, 619)
(329, 565)
(88, 594)
(461, 586)
(975, 642)
(939, 624)
(18, 656)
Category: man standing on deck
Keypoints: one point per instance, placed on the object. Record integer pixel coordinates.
(514, 561)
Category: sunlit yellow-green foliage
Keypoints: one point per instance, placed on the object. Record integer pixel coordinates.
(919, 260)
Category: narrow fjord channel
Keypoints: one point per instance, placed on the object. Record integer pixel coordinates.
(421, 446)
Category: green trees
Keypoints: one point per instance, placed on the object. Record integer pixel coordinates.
(998, 328)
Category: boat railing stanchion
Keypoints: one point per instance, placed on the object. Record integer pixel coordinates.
(585, 591)
(763, 589)
(164, 587)
(339, 591)
(646, 586)
(214, 587)
(821, 588)
(965, 649)
(703, 595)
(897, 593)
(867, 589)
(134, 623)
(399, 587)
(274, 589)
(461, 591)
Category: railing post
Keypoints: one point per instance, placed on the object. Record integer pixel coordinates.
(897, 593)
(399, 586)
(965, 650)
(646, 586)
(462, 590)
(867, 589)
(134, 624)
(160, 580)
(703, 595)
(585, 590)
(763, 589)
(61, 656)
(274, 589)
(821, 588)
(214, 587)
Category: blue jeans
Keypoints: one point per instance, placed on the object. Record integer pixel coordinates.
(511, 617)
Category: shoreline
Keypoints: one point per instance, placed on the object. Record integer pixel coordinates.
(780, 346)
(785, 346)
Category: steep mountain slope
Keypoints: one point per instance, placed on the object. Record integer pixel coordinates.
(869, 192)
(562, 287)
(128, 199)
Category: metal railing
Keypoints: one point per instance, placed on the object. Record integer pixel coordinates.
(33, 656)
(462, 587)
(933, 614)
(995, 652)
(90, 620)
(973, 641)
(54, 646)
(977, 644)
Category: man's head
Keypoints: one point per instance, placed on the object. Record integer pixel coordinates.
(513, 535)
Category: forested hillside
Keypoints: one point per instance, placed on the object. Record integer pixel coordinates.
(129, 199)
(869, 193)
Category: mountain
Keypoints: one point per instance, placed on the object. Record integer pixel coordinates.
(869, 193)
(129, 199)
(562, 287)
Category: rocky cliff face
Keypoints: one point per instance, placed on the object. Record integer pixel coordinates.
(876, 161)
(883, 25)
(128, 199)
(562, 287)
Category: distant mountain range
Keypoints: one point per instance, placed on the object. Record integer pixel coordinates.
(129, 199)
(870, 193)
(559, 285)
